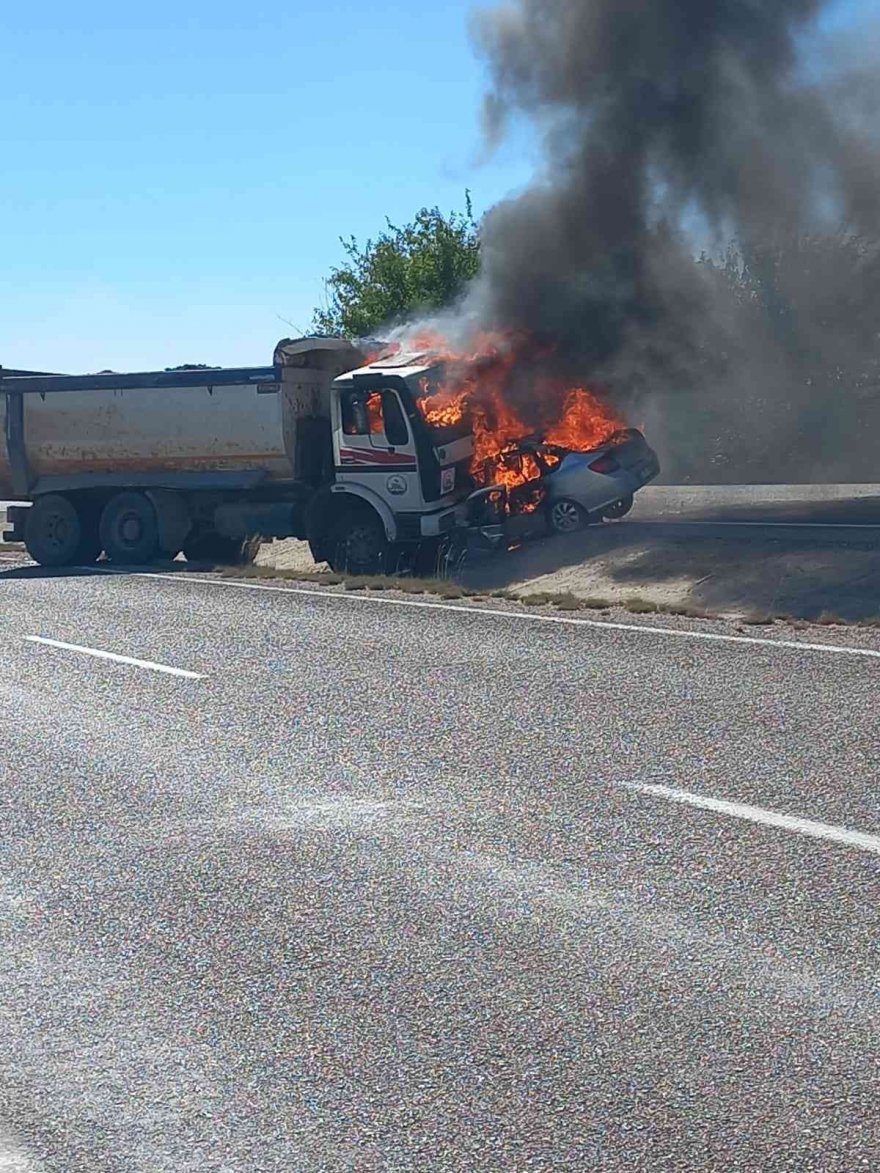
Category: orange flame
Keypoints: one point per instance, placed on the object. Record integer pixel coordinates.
(479, 385)
(374, 413)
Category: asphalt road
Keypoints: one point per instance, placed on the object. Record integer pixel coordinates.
(760, 505)
(386, 886)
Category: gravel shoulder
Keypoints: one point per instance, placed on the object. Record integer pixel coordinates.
(800, 552)
(805, 552)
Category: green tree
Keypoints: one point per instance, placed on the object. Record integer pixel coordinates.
(420, 266)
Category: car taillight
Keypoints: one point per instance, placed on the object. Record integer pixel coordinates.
(605, 464)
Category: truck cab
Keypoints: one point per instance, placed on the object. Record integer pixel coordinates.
(386, 452)
(402, 487)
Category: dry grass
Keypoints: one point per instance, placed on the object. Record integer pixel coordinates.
(757, 619)
(566, 601)
(829, 619)
(322, 577)
(447, 589)
(562, 601)
(638, 606)
(408, 586)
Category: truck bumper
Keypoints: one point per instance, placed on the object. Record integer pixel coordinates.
(435, 525)
(482, 529)
(486, 538)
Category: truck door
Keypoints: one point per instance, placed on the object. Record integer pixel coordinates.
(377, 440)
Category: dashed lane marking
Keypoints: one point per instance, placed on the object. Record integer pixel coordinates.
(766, 818)
(99, 654)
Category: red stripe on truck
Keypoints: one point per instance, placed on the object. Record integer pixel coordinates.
(361, 456)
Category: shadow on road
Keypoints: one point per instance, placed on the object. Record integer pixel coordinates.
(676, 548)
(843, 511)
(16, 571)
(803, 573)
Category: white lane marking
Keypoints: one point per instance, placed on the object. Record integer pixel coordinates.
(101, 655)
(640, 629)
(757, 814)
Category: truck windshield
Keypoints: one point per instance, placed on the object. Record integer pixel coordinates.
(443, 412)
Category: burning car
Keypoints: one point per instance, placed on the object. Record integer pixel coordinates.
(575, 488)
(500, 417)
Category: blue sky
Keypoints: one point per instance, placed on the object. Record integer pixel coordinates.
(174, 183)
(177, 176)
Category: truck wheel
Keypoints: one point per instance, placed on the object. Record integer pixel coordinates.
(619, 508)
(90, 545)
(317, 551)
(129, 529)
(360, 545)
(213, 547)
(56, 533)
(319, 525)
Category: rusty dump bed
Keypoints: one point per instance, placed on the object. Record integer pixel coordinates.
(221, 428)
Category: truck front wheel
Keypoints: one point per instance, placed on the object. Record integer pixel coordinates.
(129, 529)
(58, 533)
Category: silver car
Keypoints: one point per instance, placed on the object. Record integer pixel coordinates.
(577, 488)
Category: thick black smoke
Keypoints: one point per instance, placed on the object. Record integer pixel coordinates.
(671, 126)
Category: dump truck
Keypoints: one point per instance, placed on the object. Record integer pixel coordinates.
(322, 445)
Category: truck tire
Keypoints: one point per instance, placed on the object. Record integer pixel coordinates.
(129, 529)
(320, 515)
(59, 533)
(359, 545)
(172, 518)
(90, 546)
(209, 546)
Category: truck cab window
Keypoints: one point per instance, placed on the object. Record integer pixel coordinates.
(396, 429)
(354, 415)
(376, 414)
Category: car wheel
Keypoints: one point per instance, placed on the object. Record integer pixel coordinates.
(618, 509)
(567, 517)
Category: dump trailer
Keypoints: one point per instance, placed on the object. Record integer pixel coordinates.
(317, 446)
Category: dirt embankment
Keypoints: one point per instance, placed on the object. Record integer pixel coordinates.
(802, 552)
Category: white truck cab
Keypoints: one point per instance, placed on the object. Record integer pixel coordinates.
(416, 477)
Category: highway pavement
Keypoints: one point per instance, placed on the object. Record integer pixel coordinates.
(301, 880)
(771, 506)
